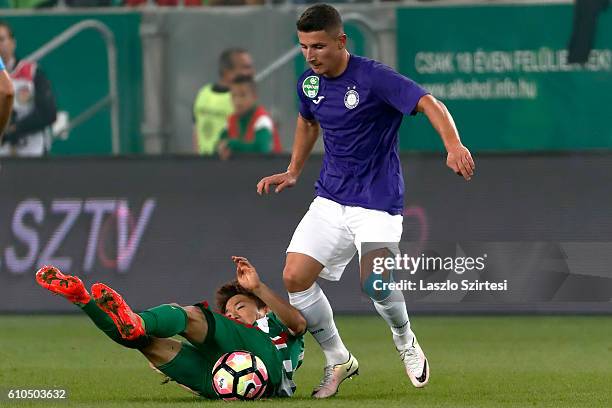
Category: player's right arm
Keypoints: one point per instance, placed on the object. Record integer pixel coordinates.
(6, 98)
(249, 279)
(306, 134)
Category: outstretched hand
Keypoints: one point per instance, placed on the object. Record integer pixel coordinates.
(280, 180)
(460, 161)
(246, 274)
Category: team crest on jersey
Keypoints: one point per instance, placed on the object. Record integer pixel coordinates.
(351, 98)
(310, 86)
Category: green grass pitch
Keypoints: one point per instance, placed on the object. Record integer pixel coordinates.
(475, 361)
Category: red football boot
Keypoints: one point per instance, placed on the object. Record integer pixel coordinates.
(127, 322)
(70, 287)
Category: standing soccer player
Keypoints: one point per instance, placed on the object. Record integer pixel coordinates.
(359, 104)
(7, 94)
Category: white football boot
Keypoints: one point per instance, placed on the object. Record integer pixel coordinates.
(416, 363)
(333, 377)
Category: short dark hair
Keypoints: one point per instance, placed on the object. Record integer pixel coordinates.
(231, 289)
(320, 17)
(247, 80)
(226, 59)
(8, 28)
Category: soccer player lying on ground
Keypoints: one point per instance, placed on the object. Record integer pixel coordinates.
(254, 319)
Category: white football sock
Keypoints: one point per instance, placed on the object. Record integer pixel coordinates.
(393, 310)
(315, 308)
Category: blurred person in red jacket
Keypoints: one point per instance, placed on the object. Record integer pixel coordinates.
(6, 97)
(249, 128)
(34, 109)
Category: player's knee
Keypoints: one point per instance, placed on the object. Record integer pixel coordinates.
(197, 325)
(193, 313)
(294, 281)
(160, 351)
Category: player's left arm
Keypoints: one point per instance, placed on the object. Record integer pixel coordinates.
(459, 158)
(287, 314)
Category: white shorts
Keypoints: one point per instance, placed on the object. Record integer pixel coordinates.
(332, 233)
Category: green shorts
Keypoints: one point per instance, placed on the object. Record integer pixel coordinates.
(192, 367)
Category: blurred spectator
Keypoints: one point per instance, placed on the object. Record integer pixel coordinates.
(187, 3)
(213, 105)
(250, 127)
(7, 93)
(34, 111)
(586, 13)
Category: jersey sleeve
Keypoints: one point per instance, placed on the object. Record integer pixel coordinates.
(396, 90)
(274, 321)
(304, 103)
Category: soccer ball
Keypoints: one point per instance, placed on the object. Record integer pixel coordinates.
(239, 375)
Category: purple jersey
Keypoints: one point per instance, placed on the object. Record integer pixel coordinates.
(360, 113)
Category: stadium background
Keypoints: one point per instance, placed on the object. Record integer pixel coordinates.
(538, 128)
